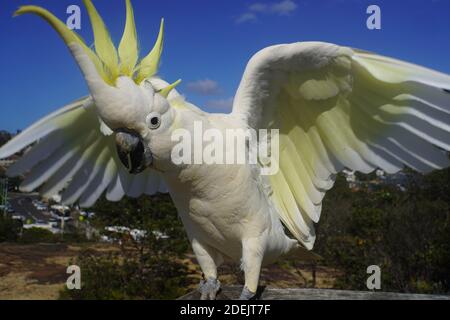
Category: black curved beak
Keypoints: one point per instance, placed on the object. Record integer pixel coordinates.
(134, 154)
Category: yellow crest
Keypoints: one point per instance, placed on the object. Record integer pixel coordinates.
(109, 62)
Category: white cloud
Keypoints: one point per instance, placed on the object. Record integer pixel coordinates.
(220, 105)
(205, 87)
(246, 17)
(258, 7)
(282, 8)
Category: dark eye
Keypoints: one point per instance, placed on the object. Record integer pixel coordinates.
(153, 120)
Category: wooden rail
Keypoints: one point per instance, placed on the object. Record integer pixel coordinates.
(233, 292)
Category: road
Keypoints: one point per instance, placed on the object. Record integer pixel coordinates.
(22, 204)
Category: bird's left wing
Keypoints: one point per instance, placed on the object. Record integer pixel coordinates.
(337, 107)
(74, 154)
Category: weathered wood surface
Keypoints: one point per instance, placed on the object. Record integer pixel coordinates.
(233, 292)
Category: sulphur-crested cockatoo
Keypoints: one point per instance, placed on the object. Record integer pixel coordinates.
(335, 108)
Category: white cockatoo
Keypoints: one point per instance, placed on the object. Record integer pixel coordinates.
(335, 108)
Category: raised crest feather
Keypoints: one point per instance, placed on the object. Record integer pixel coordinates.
(109, 62)
(128, 47)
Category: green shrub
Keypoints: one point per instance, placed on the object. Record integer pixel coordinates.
(407, 234)
(114, 276)
(36, 235)
(9, 229)
(146, 268)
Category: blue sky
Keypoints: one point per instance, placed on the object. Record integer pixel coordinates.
(208, 43)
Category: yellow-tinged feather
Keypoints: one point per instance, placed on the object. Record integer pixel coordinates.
(106, 57)
(336, 141)
(317, 141)
(276, 198)
(104, 46)
(149, 65)
(358, 149)
(305, 158)
(318, 89)
(290, 214)
(66, 34)
(128, 47)
(280, 199)
(165, 92)
(296, 184)
(298, 123)
(303, 174)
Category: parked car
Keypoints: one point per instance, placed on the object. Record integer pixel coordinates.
(53, 222)
(19, 217)
(87, 214)
(41, 207)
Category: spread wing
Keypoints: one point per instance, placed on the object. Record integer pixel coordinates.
(339, 108)
(75, 156)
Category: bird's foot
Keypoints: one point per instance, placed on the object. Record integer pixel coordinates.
(246, 294)
(209, 288)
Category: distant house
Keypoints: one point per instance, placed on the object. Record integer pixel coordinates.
(351, 179)
(399, 180)
(47, 226)
(6, 162)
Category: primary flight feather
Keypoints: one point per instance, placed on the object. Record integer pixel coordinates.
(335, 107)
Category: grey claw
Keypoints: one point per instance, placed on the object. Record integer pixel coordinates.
(246, 294)
(209, 288)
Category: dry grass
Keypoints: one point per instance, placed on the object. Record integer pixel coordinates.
(38, 271)
(279, 275)
(21, 286)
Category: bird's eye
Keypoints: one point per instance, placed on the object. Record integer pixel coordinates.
(153, 120)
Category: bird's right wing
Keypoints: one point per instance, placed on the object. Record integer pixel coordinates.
(75, 156)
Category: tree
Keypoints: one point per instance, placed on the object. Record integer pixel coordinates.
(9, 228)
(5, 136)
(406, 233)
(147, 266)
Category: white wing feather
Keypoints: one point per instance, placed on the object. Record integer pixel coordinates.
(75, 156)
(337, 107)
